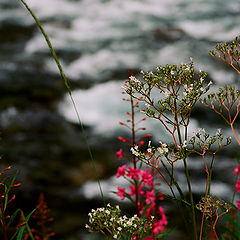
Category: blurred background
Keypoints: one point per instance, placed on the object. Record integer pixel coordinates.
(97, 42)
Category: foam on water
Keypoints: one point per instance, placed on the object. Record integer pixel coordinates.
(94, 24)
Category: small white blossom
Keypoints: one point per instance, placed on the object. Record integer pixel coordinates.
(115, 236)
(134, 152)
(167, 94)
(218, 132)
(147, 105)
(165, 150)
(149, 150)
(134, 79)
(210, 83)
(160, 150)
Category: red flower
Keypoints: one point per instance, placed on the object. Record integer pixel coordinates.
(121, 171)
(121, 192)
(147, 178)
(237, 170)
(148, 238)
(238, 186)
(134, 173)
(150, 209)
(238, 204)
(119, 154)
(150, 196)
(133, 190)
(159, 226)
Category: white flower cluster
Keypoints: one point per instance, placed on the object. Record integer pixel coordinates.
(134, 79)
(111, 219)
(163, 148)
(134, 151)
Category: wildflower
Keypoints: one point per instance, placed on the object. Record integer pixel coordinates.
(134, 173)
(147, 178)
(119, 154)
(159, 226)
(238, 186)
(149, 150)
(121, 193)
(210, 83)
(134, 152)
(148, 238)
(122, 139)
(134, 79)
(237, 170)
(115, 236)
(218, 132)
(238, 204)
(150, 208)
(184, 144)
(147, 105)
(133, 190)
(121, 171)
(150, 196)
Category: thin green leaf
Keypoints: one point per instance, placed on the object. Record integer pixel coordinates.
(22, 228)
(13, 217)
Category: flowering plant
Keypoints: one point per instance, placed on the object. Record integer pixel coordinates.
(169, 95)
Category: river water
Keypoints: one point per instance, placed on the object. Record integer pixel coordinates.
(97, 42)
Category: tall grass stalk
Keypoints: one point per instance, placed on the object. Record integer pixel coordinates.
(69, 92)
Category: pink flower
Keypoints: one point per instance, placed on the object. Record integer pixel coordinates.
(121, 171)
(133, 190)
(159, 226)
(150, 209)
(238, 204)
(237, 170)
(238, 186)
(119, 154)
(121, 192)
(134, 173)
(150, 196)
(147, 178)
(148, 238)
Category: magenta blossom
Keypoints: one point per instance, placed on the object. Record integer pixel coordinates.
(237, 170)
(133, 190)
(147, 178)
(134, 173)
(121, 171)
(238, 204)
(119, 154)
(159, 226)
(238, 186)
(150, 196)
(121, 192)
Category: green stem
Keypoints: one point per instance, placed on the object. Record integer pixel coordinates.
(187, 177)
(69, 92)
